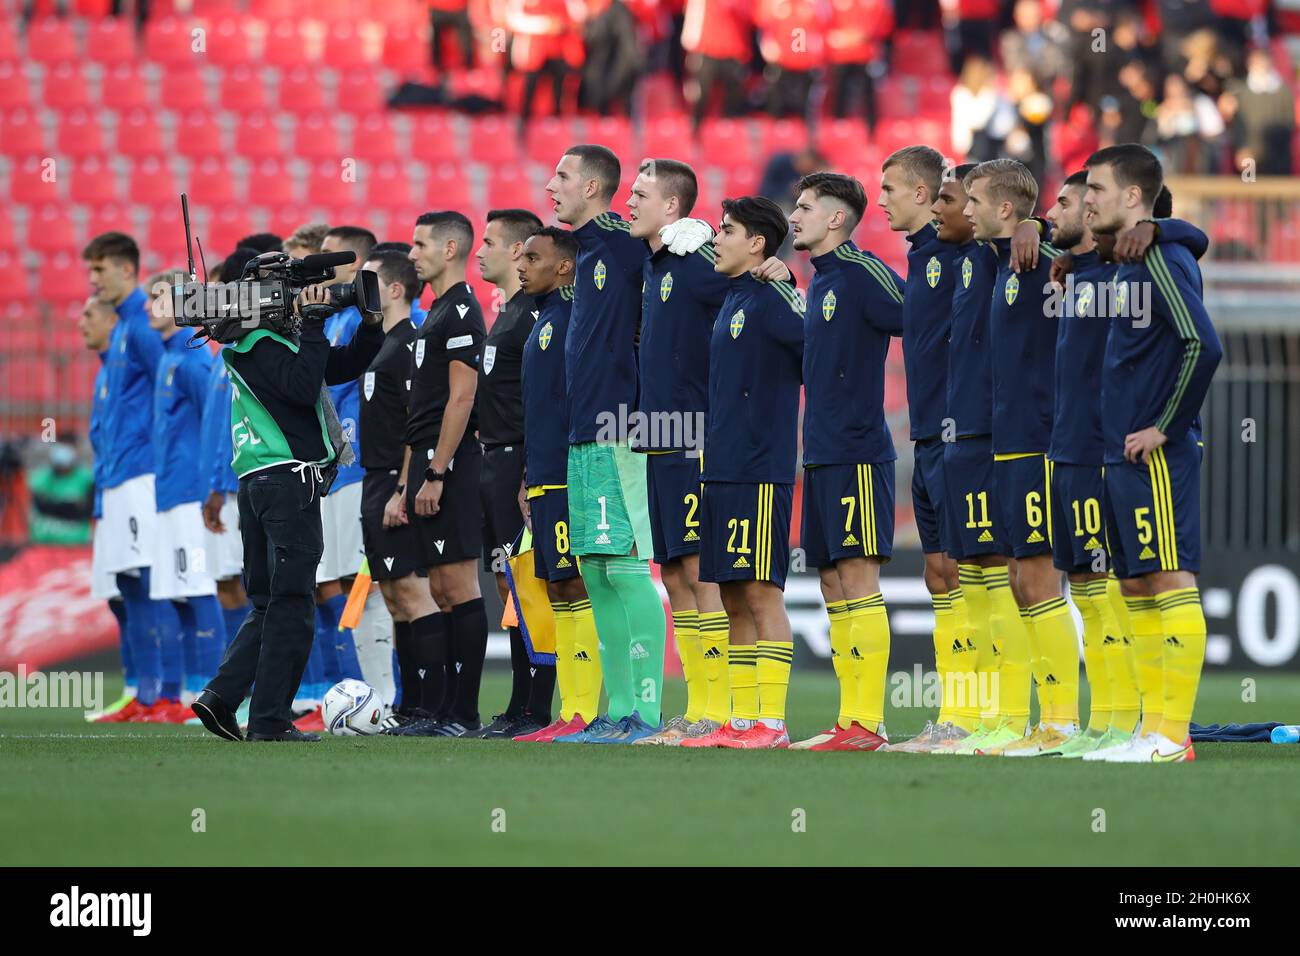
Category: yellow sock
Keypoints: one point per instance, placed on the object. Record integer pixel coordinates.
(1058, 651)
(961, 666)
(1148, 646)
(743, 669)
(713, 654)
(1121, 663)
(869, 658)
(1041, 690)
(564, 656)
(773, 674)
(838, 612)
(686, 634)
(979, 708)
(586, 661)
(1011, 644)
(1183, 623)
(945, 633)
(1094, 660)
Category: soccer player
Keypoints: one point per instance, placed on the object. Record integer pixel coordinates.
(1023, 321)
(439, 483)
(500, 412)
(909, 184)
(134, 350)
(182, 573)
(855, 304)
(392, 550)
(609, 524)
(680, 299)
(755, 371)
(546, 273)
(1160, 356)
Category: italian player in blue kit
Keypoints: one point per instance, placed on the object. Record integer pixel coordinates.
(755, 372)
(855, 304)
(1160, 356)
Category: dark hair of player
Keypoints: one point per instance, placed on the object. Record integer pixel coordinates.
(1163, 208)
(760, 217)
(403, 247)
(674, 178)
(924, 164)
(262, 242)
(516, 224)
(394, 266)
(1079, 179)
(565, 243)
(451, 225)
(598, 163)
(355, 238)
(1134, 165)
(113, 245)
(233, 266)
(837, 186)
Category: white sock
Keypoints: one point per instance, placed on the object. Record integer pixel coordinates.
(373, 636)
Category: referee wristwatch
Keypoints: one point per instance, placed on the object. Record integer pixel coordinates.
(431, 475)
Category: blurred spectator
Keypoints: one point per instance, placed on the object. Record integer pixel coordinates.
(450, 15)
(968, 29)
(1130, 116)
(62, 498)
(1035, 45)
(1178, 20)
(1233, 21)
(614, 59)
(1027, 140)
(855, 32)
(790, 37)
(981, 116)
(1188, 128)
(1205, 65)
(1104, 38)
(784, 170)
(1261, 109)
(540, 45)
(715, 35)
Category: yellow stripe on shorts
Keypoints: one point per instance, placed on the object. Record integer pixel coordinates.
(763, 543)
(1163, 498)
(1048, 467)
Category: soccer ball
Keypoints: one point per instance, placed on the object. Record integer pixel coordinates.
(352, 709)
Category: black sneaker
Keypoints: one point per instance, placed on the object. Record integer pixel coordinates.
(403, 718)
(216, 716)
(500, 724)
(527, 724)
(427, 727)
(292, 735)
(451, 728)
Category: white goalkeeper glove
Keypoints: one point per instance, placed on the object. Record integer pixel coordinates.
(685, 235)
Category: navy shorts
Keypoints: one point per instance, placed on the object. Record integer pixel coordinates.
(549, 512)
(848, 512)
(745, 532)
(673, 493)
(1023, 496)
(1153, 511)
(1078, 518)
(928, 494)
(975, 527)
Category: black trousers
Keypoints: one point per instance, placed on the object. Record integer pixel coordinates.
(279, 521)
(712, 73)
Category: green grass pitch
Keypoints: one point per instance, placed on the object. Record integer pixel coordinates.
(74, 794)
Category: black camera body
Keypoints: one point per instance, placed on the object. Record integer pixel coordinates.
(263, 296)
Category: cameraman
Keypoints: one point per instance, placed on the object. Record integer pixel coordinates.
(286, 442)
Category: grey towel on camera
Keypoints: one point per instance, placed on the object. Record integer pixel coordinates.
(343, 455)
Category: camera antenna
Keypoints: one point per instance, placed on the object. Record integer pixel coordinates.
(189, 245)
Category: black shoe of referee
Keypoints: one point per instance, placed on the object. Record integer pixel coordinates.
(424, 727)
(500, 723)
(504, 727)
(451, 728)
(404, 718)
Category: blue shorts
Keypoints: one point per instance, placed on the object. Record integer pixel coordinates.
(552, 559)
(975, 526)
(745, 532)
(1078, 519)
(928, 494)
(1023, 496)
(673, 490)
(848, 512)
(1153, 511)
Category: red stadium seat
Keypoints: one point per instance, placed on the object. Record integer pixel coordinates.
(168, 40)
(183, 88)
(435, 133)
(301, 91)
(614, 132)
(284, 44)
(112, 218)
(406, 46)
(51, 40)
(317, 137)
(343, 45)
(242, 89)
(50, 229)
(510, 187)
(492, 141)
(327, 188)
(270, 183)
(13, 280)
(842, 141)
(781, 136)
(257, 136)
(388, 186)
(62, 278)
(125, 86)
(22, 134)
(152, 183)
(8, 240)
(723, 138)
(35, 180)
(228, 41)
(548, 137)
(110, 40)
(446, 187)
(198, 135)
(138, 134)
(226, 226)
(741, 180)
(284, 219)
(15, 90)
(79, 134)
(65, 87)
(29, 379)
(165, 242)
(360, 91)
(374, 139)
(9, 52)
(94, 182)
(668, 136)
(211, 183)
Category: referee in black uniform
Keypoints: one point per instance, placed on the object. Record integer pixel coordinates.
(500, 413)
